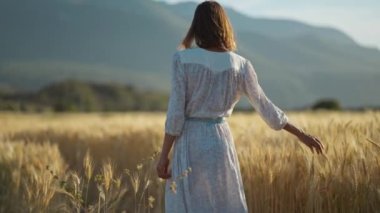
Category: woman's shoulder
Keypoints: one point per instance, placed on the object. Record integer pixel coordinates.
(188, 54)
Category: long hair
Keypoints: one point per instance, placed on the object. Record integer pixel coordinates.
(210, 28)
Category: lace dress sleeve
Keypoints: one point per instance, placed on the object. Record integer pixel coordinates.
(271, 114)
(175, 116)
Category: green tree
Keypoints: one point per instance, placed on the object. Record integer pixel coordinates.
(327, 103)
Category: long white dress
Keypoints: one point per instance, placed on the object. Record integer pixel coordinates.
(206, 85)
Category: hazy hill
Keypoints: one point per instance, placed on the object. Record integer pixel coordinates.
(277, 28)
(49, 40)
(44, 41)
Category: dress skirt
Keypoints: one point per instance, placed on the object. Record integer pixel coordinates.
(214, 183)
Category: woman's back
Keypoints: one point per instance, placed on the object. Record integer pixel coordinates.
(211, 81)
(208, 84)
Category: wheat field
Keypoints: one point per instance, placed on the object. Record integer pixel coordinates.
(105, 162)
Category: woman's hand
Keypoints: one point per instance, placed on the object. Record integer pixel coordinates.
(163, 163)
(312, 142)
(162, 168)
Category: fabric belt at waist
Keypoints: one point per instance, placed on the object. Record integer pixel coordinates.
(210, 120)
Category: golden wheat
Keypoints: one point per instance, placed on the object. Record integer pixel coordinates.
(105, 162)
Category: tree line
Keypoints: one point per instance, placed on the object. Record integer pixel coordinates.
(84, 96)
(75, 95)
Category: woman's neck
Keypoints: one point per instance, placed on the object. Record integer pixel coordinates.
(216, 49)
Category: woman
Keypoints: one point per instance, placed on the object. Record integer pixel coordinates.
(207, 82)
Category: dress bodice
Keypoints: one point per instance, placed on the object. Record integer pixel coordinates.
(208, 84)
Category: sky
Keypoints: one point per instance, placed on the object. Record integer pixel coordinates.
(360, 19)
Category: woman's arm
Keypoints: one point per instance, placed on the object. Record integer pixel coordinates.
(268, 111)
(310, 141)
(163, 163)
(271, 114)
(175, 117)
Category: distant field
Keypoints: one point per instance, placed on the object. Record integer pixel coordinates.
(105, 162)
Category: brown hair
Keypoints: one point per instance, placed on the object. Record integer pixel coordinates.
(210, 28)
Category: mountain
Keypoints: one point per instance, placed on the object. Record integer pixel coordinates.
(277, 28)
(45, 41)
(50, 40)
